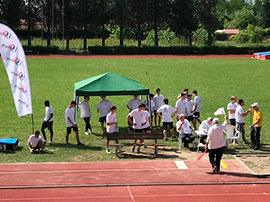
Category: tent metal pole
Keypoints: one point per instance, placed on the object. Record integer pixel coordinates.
(149, 107)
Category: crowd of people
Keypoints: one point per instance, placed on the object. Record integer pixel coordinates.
(142, 114)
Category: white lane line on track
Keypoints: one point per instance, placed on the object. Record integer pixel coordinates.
(244, 164)
(181, 165)
(130, 194)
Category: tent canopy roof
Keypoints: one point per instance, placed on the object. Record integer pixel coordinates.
(109, 84)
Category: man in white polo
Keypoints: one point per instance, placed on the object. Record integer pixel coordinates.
(240, 115)
(215, 143)
(158, 102)
(180, 106)
(103, 109)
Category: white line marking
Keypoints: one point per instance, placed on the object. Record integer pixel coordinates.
(78, 171)
(244, 165)
(132, 197)
(181, 165)
(130, 194)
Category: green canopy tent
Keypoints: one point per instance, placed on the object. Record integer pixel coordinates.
(109, 84)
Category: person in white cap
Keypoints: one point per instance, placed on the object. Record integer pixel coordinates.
(240, 115)
(215, 143)
(255, 127)
(231, 107)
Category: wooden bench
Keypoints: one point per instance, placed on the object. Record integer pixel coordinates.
(139, 136)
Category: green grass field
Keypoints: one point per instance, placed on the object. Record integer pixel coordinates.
(215, 79)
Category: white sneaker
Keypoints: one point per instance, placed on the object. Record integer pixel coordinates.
(50, 142)
(86, 133)
(89, 131)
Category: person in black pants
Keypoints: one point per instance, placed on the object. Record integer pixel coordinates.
(48, 121)
(86, 114)
(215, 143)
(255, 128)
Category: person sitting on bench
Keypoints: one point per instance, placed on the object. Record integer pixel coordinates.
(138, 123)
(185, 131)
(205, 125)
(36, 143)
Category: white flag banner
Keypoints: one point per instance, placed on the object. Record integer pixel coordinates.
(220, 111)
(14, 60)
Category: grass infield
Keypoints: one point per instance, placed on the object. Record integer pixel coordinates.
(216, 80)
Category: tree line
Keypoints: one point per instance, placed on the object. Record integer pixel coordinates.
(99, 18)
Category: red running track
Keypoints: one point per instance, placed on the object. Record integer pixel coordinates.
(130, 181)
(140, 56)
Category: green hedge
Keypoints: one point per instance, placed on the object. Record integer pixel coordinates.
(185, 50)
(40, 50)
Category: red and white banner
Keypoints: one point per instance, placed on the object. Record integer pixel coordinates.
(14, 60)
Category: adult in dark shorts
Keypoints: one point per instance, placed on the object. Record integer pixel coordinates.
(168, 113)
(231, 107)
(138, 123)
(103, 108)
(111, 126)
(197, 108)
(71, 124)
(48, 121)
(189, 106)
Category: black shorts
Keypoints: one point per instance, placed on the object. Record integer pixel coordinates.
(166, 124)
(108, 135)
(147, 129)
(48, 125)
(232, 122)
(190, 118)
(196, 115)
(155, 113)
(139, 130)
(102, 119)
(74, 129)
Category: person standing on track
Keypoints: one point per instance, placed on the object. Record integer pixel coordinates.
(111, 126)
(71, 123)
(215, 143)
(48, 121)
(197, 108)
(240, 115)
(231, 107)
(103, 108)
(255, 128)
(158, 102)
(167, 112)
(86, 114)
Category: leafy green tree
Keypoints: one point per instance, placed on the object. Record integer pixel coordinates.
(183, 18)
(206, 11)
(241, 19)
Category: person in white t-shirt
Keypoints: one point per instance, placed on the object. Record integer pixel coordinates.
(86, 114)
(138, 123)
(215, 143)
(48, 121)
(205, 125)
(180, 106)
(111, 125)
(185, 130)
(185, 91)
(103, 108)
(240, 115)
(158, 102)
(197, 108)
(36, 143)
(71, 124)
(167, 112)
(189, 107)
(133, 104)
(231, 107)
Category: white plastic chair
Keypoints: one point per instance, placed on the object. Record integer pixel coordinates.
(232, 134)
